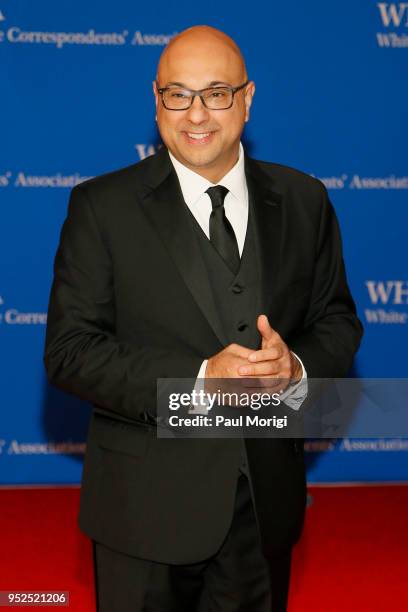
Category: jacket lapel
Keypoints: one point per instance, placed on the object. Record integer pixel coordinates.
(266, 205)
(164, 205)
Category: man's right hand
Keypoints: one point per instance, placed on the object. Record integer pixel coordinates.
(225, 364)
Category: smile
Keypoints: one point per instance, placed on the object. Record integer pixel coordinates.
(198, 136)
(201, 138)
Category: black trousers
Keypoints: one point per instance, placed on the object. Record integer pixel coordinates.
(238, 578)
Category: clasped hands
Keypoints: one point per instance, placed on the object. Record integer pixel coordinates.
(269, 370)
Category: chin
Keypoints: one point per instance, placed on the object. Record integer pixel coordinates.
(199, 158)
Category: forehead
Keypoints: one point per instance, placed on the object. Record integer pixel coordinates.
(198, 65)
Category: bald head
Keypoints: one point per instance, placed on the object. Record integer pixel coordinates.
(202, 43)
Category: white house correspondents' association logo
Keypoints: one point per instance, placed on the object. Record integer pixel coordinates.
(49, 447)
(17, 34)
(13, 316)
(387, 296)
(358, 182)
(145, 150)
(394, 18)
(21, 179)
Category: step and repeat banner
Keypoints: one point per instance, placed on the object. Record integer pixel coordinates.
(76, 101)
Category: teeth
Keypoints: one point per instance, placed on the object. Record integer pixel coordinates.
(198, 136)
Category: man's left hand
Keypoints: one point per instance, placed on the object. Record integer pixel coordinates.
(273, 361)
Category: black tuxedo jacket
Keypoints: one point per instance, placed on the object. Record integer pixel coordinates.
(131, 303)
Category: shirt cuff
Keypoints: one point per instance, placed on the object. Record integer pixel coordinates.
(201, 371)
(296, 393)
(201, 408)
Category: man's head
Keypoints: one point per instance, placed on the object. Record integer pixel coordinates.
(204, 140)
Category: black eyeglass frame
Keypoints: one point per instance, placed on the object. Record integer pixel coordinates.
(200, 94)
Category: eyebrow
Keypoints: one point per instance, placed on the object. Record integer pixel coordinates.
(211, 84)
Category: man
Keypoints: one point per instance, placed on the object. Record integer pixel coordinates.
(196, 262)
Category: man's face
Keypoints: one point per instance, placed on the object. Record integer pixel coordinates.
(206, 141)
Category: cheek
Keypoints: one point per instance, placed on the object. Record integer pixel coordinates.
(233, 126)
(167, 127)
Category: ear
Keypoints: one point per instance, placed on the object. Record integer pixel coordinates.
(156, 93)
(249, 94)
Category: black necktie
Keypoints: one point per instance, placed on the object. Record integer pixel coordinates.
(221, 233)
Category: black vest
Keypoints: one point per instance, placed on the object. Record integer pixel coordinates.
(237, 297)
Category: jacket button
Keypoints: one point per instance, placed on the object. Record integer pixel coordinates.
(236, 288)
(242, 326)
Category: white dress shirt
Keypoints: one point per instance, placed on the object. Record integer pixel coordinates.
(194, 187)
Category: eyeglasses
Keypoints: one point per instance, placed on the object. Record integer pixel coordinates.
(213, 98)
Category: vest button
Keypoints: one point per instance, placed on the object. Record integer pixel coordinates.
(242, 326)
(236, 288)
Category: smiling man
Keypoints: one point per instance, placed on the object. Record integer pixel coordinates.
(197, 262)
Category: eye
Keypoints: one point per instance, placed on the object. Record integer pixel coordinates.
(179, 93)
(218, 93)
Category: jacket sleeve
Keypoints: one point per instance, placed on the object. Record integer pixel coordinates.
(331, 332)
(82, 353)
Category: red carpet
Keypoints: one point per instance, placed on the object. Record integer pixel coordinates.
(353, 554)
(42, 548)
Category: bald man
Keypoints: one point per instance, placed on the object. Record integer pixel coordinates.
(197, 262)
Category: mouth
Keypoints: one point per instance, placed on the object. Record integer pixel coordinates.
(198, 138)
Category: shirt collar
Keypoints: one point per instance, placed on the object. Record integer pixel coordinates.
(193, 185)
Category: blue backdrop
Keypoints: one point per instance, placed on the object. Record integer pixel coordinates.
(76, 101)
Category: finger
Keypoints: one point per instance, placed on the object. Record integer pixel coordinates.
(275, 352)
(252, 381)
(266, 331)
(264, 368)
(240, 351)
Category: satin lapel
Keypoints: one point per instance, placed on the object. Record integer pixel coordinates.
(266, 206)
(165, 207)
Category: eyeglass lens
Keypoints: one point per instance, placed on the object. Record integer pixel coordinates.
(216, 98)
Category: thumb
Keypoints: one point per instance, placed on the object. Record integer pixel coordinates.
(266, 331)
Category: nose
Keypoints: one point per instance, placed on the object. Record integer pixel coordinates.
(197, 113)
